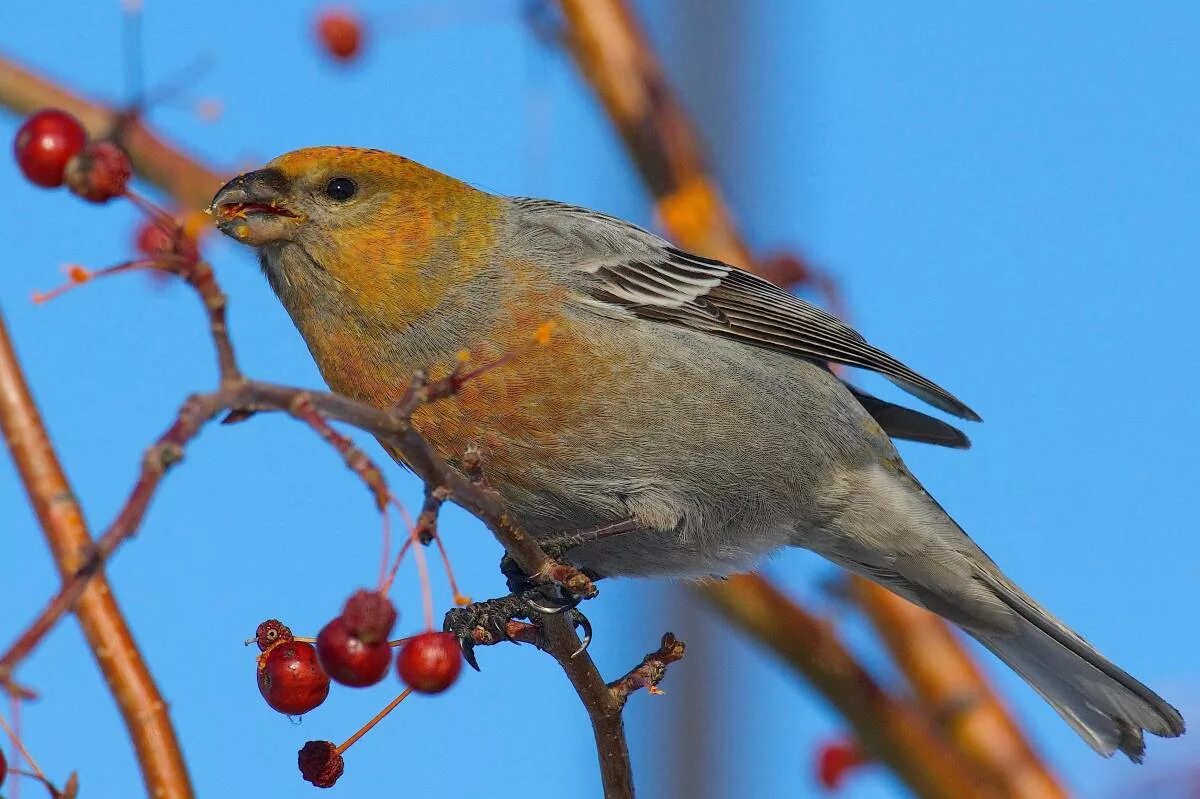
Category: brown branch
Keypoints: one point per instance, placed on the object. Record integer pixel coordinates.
(953, 688)
(141, 705)
(356, 460)
(608, 727)
(896, 734)
(616, 58)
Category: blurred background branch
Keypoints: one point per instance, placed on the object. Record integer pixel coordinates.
(618, 61)
(108, 635)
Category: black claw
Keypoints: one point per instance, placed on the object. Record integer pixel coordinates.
(468, 652)
(579, 620)
(548, 605)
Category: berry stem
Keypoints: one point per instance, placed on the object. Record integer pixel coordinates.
(459, 598)
(78, 278)
(384, 580)
(391, 578)
(426, 587)
(20, 747)
(422, 564)
(169, 223)
(378, 718)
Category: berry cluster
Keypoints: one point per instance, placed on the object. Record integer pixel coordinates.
(53, 149)
(353, 649)
(293, 673)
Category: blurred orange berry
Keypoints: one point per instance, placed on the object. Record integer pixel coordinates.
(340, 33)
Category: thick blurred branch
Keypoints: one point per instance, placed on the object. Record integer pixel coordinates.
(187, 180)
(618, 60)
(895, 733)
(108, 636)
(954, 690)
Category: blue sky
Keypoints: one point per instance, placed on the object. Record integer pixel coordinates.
(1006, 191)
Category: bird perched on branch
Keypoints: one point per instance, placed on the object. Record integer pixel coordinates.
(678, 392)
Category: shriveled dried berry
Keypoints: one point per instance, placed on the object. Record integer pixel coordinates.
(270, 632)
(99, 173)
(321, 763)
(369, 616)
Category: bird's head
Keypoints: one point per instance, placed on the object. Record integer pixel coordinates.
(366, 227)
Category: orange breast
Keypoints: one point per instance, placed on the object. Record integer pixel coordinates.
(517, 409)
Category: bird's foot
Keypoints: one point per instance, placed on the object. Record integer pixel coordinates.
(571, 585)
(496, 620)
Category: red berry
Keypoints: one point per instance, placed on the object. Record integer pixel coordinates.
(837, 759)
(321, 763)
(429, 662)
(99, 173)
(290, 678)
(340, 33)
(3, 767)
(152, 241)
(349, 659)
(45, 143)
(271, 632)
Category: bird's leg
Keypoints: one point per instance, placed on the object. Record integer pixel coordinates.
(548, 598)
(496, 620)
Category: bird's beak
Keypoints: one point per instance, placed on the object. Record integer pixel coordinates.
(253, 209)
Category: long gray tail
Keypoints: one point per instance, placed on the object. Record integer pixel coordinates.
(899, 536)
(1104, 704)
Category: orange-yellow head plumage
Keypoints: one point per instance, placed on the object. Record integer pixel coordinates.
(393, 235)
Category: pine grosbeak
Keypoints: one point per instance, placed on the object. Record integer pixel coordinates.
(677, 391)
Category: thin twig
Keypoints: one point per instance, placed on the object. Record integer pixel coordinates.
(650, 672)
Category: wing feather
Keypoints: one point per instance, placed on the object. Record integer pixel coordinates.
(633, 269)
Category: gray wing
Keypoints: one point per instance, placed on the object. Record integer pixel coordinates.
(628, 267)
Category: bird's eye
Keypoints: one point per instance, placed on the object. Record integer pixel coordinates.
(340, 189)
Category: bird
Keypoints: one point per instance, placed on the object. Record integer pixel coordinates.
(683, 396)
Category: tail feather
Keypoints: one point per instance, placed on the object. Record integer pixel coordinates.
(1103, 703)
(896, 534)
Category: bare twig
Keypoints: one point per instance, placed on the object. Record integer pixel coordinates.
(141, 704)
(650, 672)
(356, 460)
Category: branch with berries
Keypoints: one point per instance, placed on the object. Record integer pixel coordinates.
(294, 674)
